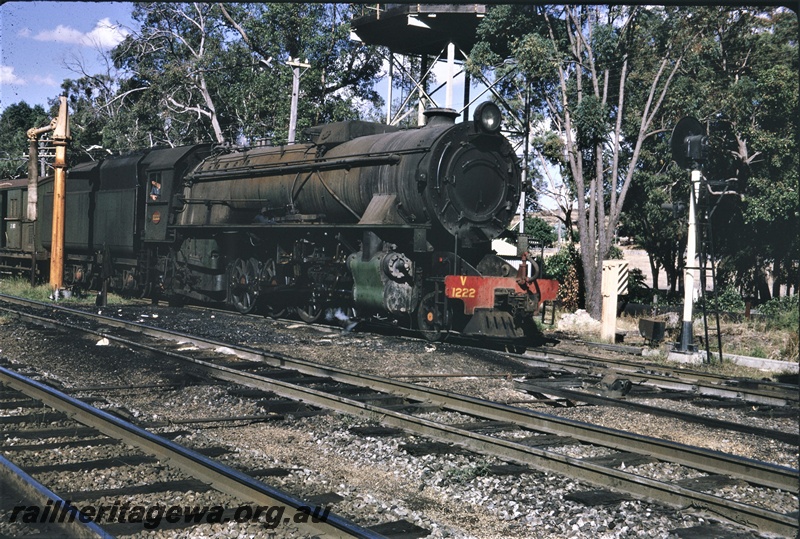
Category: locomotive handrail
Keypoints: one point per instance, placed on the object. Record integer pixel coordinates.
(279, 169)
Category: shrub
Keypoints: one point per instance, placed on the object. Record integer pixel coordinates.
(782, 313)
(728, 300)
(565, 267)
(557, 266)
(638, 290)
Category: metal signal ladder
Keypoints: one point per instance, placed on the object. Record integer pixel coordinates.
(708, 265)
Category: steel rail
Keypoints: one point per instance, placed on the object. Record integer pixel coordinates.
(716, 462)
(220, 476)
(674, 495)
(592, 398)
(700, 383)
(32, 490)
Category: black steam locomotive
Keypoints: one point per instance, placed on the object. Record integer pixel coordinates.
(364, 218)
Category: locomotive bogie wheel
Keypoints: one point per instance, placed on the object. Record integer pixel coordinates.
(244, 285)
(431, 319)
(310, 312)
(275, 312)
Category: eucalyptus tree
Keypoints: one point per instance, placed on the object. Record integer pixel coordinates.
(598, 75)
(172, 57)
(200, 71)
(15, 121)
(337, 84)
(757, 109)
(740, 77)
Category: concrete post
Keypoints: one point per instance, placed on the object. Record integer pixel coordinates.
(293, 109)
(295, 65)
(390, 82)
(608, 290)
(614, 283)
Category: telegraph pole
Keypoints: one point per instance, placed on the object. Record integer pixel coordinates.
(295, 64)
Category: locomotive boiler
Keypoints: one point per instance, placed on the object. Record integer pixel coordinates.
(363, 218)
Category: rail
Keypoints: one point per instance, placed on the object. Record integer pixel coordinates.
(219, 476)
(754, 472)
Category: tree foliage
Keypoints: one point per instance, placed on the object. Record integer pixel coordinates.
(199, 71)
(597, 96)
(540, 231)
(609, 83)
(14, 124)
(740, 79)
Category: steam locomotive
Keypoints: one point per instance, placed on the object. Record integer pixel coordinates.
(365, 218)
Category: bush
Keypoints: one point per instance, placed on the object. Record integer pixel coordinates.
(728, 300)
(558, 266)
(638, 291)
(565, 267)
(782, 313)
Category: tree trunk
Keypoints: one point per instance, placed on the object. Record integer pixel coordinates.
(776, 278)
(654, 271)
(212, 111)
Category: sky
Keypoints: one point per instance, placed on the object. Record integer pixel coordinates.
(43, 43)
(40, 40)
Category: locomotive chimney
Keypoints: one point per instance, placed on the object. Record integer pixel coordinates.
(440, 117)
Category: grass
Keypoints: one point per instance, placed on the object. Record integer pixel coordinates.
(757, 338)
(13, 286)
(762, 338)
(22, 288)
(754, 338)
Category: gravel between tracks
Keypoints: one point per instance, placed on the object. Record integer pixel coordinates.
(451, 495)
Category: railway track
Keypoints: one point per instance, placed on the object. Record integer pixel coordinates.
(758, 392)
(659, 381)
(530, 437)
(78, 514)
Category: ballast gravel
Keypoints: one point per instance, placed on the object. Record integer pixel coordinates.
(452, 495)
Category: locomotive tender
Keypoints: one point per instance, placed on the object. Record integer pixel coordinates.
(366, 218)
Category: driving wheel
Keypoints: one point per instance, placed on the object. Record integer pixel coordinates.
(243, 285)
(269, 278)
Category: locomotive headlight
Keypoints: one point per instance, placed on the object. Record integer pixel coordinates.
(488, 118)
